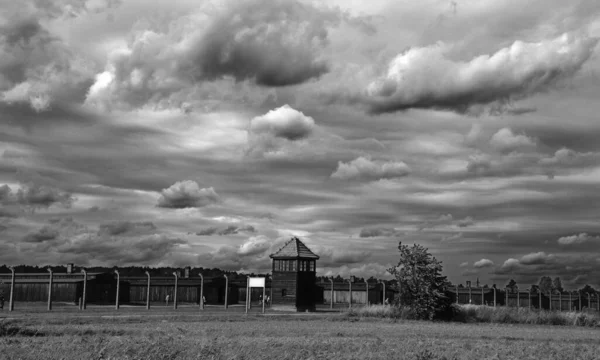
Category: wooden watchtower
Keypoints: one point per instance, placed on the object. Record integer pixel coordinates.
(294, 275)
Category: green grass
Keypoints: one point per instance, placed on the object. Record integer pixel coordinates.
(179, 335)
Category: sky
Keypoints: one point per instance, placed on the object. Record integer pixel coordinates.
(207, 133)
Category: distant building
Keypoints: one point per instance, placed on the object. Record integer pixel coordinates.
(294, 277)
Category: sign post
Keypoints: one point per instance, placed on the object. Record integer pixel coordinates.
(258, 282)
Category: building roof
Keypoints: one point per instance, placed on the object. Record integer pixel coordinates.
(294, 249)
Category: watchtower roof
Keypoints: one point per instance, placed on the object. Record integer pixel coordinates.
(294, 249)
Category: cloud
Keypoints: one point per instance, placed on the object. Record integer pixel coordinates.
(42, 196)
(505, 141)
(424, 77)
(187, 194)
(271, 43)
(41, 235)
(284, 122)
(376, 232)
(464, 264)
(535, 258)
(207, 232)
(255, 245)
(452, 237)
(126, 228)
(483, 263)
(577, 239)
(364, 168)
(37, 68)
(466, 222)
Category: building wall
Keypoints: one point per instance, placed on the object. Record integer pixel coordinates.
(284, 281)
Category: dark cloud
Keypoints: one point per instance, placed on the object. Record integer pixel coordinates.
(38, 68)
(126, 228)
(207, 232)
(187, 194)
(230, 230)
(366, 169)
(43, 196)
(413, 78)
(272, 43)
(41, 235)
(377, 232)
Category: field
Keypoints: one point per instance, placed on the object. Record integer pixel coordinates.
(162, 333)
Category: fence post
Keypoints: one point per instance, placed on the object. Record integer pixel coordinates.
(84, 302)
(175, 293)
(331, 299)
(201, 292)
(506, 296)
(529, 298)
(148, 292)
(366, 293)
(457, 295)
(11, 299)
(117, 297)
(494, 297)
(50, 290)
(470, 295)
(570, 301)
(482, 297)
(350, 293)
(518, 298)
(589, 301)
(226, 290)
(248, 293)
(550, 295)
(598, 301)
(560, 301)
(579, 292)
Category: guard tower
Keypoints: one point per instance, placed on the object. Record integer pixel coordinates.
(294, 276)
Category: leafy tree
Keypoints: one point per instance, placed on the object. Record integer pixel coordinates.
(534, 289)
(512, 285)
(557, 284)
(587, 289)
(545, 284)
(421, 283)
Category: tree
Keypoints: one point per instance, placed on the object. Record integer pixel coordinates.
(421, 283)
(545, 284)
(512, 285)
(557, 284)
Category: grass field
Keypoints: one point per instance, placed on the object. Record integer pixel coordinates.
(101, 333)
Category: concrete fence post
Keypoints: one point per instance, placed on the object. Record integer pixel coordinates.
(550, 302)
(84, 301)
(11, 299)
(331, 295)
(560, 301)
(457, 295)
(383, 283)
(494, 296)
(226, 290)
(518, 298)
(148, 292)
(482, 297)
(589, 301)
(50, 290)
(366, 293)
(470, 295)
(118, 284)
(247, 293)
(579, 300)
(201, 292)
(529, 298)
(506, 296)
(175, 293)
(570, 301)
(350, 293)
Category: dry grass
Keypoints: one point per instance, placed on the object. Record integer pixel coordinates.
(235, 336)
(487, 314)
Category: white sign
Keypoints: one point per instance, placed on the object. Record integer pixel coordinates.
(257, 282)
